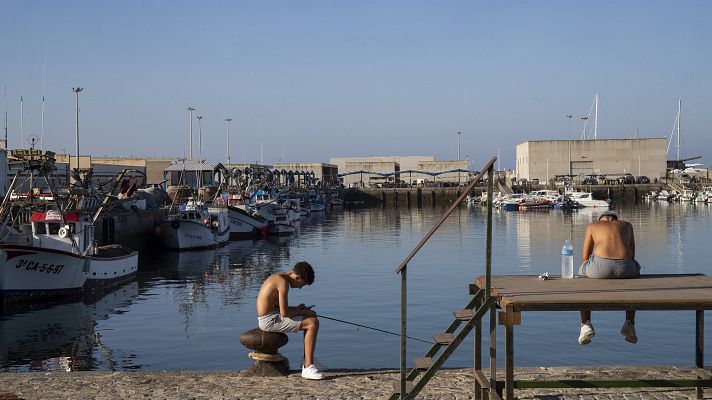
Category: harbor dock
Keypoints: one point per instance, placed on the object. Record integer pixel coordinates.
(338, 384)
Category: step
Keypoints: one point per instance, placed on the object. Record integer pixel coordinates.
(444, 338)
(464, 315)
(423, 363)
(408, 387)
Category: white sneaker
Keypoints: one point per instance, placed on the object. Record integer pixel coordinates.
(311, 372)
(587, 333)
(628, 330)
(321, 367)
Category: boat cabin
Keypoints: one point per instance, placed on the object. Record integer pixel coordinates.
(61, 231)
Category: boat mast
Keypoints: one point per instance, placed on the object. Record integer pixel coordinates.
(77, 90)
(6, 116)
(595, 119)
(44, 91)
(679, 115)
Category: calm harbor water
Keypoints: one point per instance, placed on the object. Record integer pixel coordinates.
(185, 311)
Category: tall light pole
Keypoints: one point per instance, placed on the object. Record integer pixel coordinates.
(190, 130)
(569, 118)
(76, 90)
(458, 145)
(227, 134)
(200, 138)
(199, 178)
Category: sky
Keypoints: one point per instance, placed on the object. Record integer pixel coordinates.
(304, 81)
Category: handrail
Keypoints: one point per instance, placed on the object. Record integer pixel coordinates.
(445, 216)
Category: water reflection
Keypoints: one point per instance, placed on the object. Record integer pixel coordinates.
(62, 337)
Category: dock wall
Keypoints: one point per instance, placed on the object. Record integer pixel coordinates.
(439, 196)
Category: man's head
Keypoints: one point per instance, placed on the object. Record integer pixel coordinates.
(304, 272)
(608, 216)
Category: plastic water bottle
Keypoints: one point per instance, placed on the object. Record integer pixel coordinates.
(567, 260)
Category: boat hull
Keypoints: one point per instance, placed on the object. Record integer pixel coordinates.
(106, 271)
(183, 235)
(33, 272)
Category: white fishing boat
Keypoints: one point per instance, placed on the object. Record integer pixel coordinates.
(45, 252)
(279, 223)
(61, 258)
(195, 226)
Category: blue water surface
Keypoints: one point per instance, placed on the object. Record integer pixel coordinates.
(186, 310)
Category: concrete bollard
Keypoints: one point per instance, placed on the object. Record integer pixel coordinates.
(267, 361)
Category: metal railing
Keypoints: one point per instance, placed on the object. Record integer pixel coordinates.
(403, 267)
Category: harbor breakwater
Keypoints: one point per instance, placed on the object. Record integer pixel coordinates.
(438, 196)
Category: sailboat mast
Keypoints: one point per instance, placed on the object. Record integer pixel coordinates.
(679, 116)
(595, 120)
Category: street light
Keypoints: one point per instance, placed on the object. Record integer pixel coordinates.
(200, 137)
(569, 118)
(458, 145)
(76, 90)
(227, 128)
(190, 130)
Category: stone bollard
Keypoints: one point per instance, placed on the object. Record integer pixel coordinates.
(268, 362)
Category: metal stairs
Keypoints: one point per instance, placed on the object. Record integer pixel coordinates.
(449, 340)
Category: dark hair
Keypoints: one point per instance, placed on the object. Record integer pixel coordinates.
(305, 271)
(610, 214)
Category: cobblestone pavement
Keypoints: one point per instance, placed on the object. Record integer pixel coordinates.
(338, 384)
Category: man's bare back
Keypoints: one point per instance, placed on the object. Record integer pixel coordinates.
(613, 240)
(268, 296)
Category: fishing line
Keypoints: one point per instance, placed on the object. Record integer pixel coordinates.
(376, 329)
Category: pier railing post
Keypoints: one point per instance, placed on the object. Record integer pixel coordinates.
(404, 338)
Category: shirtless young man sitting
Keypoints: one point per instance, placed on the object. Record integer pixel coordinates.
(275, 315)
(609, 253)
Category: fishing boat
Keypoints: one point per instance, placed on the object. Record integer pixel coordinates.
(194, 226)
(53, 251)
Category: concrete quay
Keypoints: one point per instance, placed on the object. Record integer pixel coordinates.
(338, 384)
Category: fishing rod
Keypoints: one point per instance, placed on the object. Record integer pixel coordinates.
(372, 328)
(375, 329)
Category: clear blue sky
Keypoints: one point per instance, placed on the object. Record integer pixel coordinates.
(318, 79)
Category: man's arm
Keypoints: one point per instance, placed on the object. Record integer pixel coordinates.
(587, 244)
(284, 309)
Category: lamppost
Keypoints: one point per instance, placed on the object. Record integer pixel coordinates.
(227, 128)
(200, 149)
(569, 118)
(458, 145)
(76, 90)
(200, 138)
(190, 130)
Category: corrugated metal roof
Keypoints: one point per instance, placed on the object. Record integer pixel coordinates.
(194, 166)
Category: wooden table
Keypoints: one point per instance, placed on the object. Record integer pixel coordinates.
(517, 293)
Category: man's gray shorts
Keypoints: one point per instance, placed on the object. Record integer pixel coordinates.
(273, 322)
(606, 268)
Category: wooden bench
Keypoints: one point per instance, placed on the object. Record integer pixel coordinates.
(517, 293)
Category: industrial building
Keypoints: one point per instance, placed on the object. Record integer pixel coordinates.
(546, 159)
(380, 171)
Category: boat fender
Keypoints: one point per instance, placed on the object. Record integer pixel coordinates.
(63, 232)
(175, 224)
(206, 222)
(215, 224)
